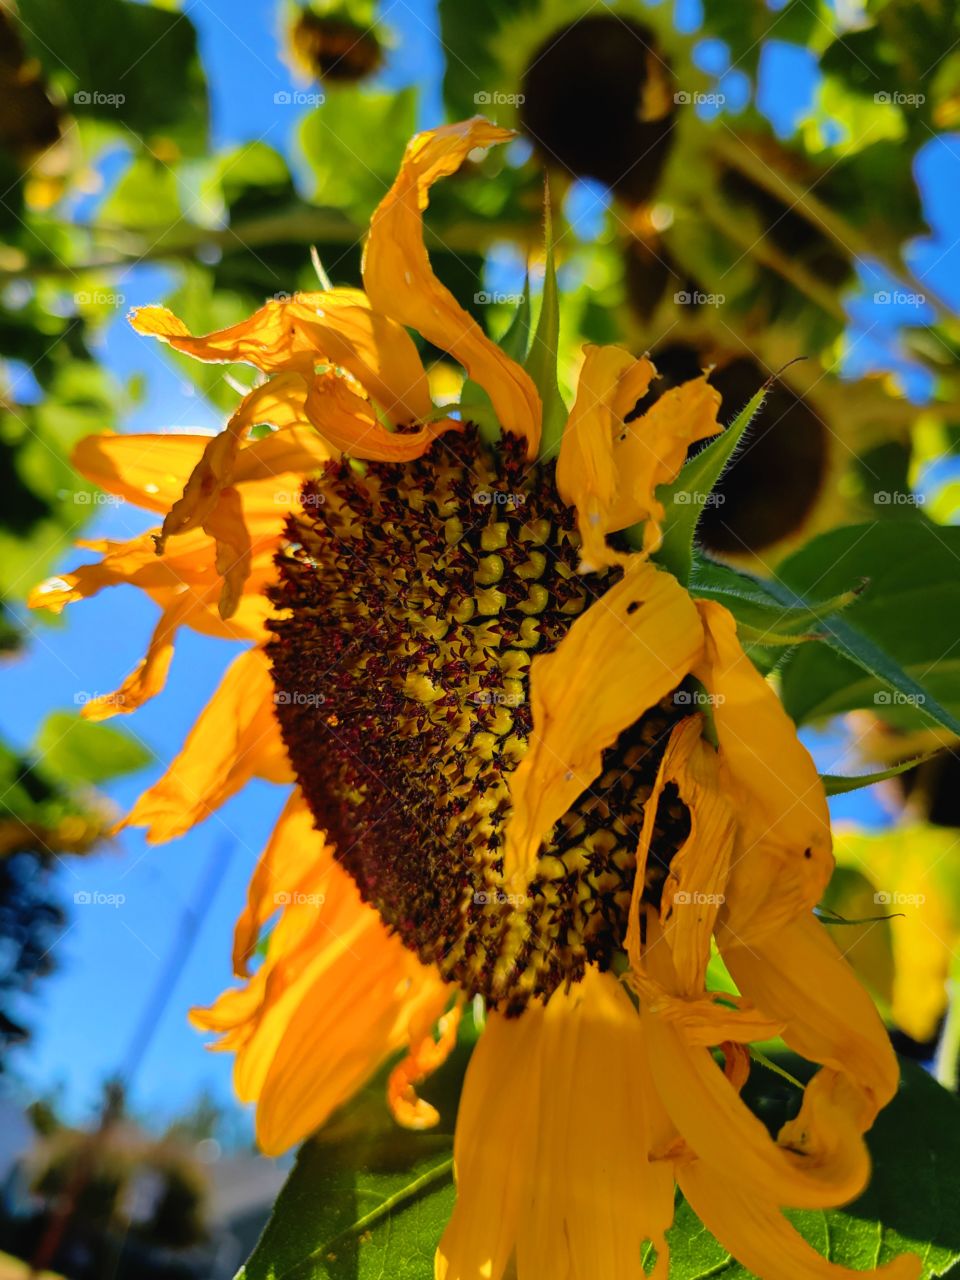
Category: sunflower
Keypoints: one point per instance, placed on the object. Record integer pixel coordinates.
(526, 765)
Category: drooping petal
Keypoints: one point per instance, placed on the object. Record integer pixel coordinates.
(349, 425)
(150, 674)
(588, 476)
(267, 339)
(799, 975)
(609, 469)
(235, 739)
(754, 1230)
(696, 884)
(376, 350)
(334, 997)
(651, 450)
(294, 852)
(399, 280)
(627, 651)
(425, 1057)
(783, 858)
(720, 1129)
(573, 1194)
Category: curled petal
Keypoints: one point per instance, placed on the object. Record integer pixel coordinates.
(267, 339)
(696, 884)
(349, 425)
(754, 1230)
(798, 974)
(783, 858)
(374, 349)
(588, 477)
(425, 1057)
(631, 648)
(399, 280)
(609, 469)
(236, 738)
(720, 1129)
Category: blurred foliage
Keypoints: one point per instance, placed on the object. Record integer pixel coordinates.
(714, 240)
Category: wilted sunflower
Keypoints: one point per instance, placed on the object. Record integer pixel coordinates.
(493, 720)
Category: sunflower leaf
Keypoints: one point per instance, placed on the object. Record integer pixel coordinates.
(685, 499)
(907, 1206)
(541, 361)
(836, 784)
(367, 1199)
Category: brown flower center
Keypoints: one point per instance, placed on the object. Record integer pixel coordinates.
(412, 601)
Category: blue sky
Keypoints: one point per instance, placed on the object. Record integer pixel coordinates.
(110, 957)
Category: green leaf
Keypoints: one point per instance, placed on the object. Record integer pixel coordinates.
(684, 500)
(541, 363)
(146, 196)
(130, 67)
(354, 143)
(367, 1199)
(836, 784)
(909, 1205)
(77, 751)
(894, 650)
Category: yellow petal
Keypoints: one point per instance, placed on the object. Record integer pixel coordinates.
(627, 651)
(296, 850)
(148, 470)
(235, 739)
(150, 674)
(609, 469)
(425, 1057)
(651, 450)
(349, 425)
(588, 476)
(909, 869)
(267, 340)
(348, 998)
(703, 1018)
(695, 887)
(290, 452)
(400, 283)
(783, 858)
(720, 1129)
(798, 975)
(374, 349)
(752, 1228)
(574, 1192)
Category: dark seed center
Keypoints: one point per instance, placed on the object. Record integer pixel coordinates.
(413, 598)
